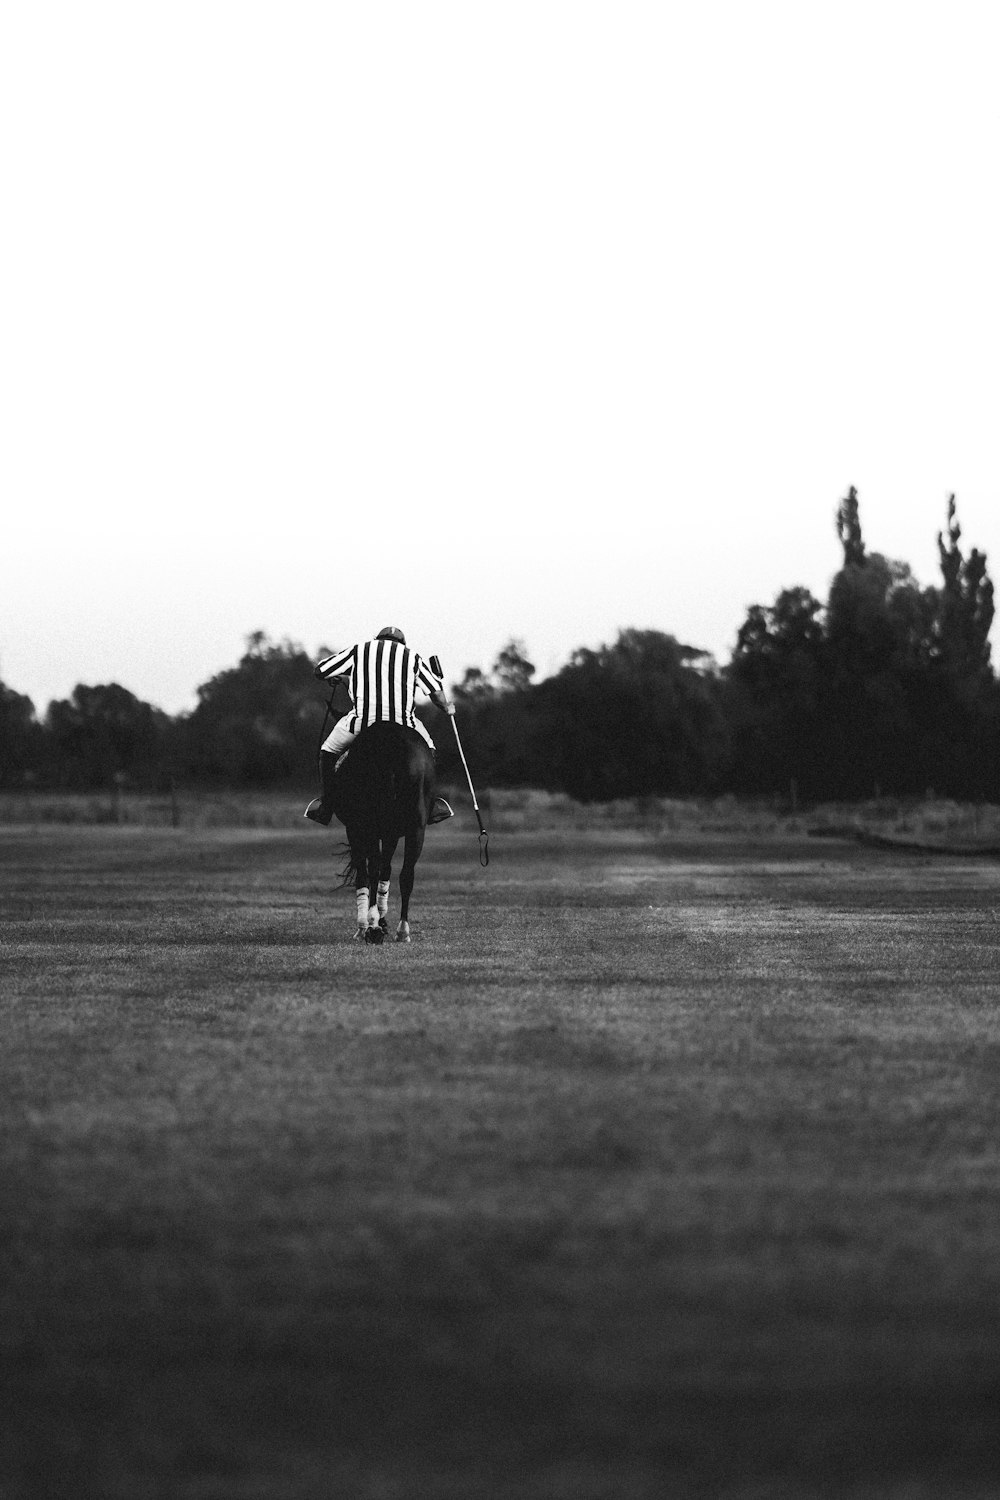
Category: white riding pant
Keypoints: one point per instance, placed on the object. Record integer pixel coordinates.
(341, 735)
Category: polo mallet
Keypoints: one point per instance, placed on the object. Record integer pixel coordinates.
(484, 838)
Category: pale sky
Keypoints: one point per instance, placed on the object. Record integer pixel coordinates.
(485, 320)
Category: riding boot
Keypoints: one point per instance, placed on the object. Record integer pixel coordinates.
(320, 809)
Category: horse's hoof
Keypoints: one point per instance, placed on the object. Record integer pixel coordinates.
(374, 935)
(403, 932)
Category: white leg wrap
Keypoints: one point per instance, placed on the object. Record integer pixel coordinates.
(382, 897)
(362, 895)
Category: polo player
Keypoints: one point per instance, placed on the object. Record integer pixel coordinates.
(382, 677)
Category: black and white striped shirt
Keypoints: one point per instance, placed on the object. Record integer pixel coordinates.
(382, 679)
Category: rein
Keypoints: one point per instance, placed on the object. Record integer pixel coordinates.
(322, 733)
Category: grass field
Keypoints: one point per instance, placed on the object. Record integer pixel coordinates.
(660, 1164)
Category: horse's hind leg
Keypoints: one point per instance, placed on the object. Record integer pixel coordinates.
(362, 894)
(411, 853)
(373, 932)
(365, 876)
(384, 876)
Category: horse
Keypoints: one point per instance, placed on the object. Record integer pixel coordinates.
(383, 793)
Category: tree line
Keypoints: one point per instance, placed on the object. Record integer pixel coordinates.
(885, 688)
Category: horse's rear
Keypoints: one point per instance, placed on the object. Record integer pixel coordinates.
(385, 790)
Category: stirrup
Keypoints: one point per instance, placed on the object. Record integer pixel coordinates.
(315, 812)
(440, 811)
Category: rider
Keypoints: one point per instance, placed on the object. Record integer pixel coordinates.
(382, 678)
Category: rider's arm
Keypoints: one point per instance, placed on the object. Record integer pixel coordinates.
(428, 677)
(337, 664)
(440, 697)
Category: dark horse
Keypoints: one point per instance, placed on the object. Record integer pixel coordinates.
(384, 791)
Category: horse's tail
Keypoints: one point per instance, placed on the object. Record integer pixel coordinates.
(376, 793)
(349, 869)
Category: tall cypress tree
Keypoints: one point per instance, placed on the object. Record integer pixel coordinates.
(849, 530)
(966, 606)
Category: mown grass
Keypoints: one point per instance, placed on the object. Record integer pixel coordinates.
(660, 1164)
